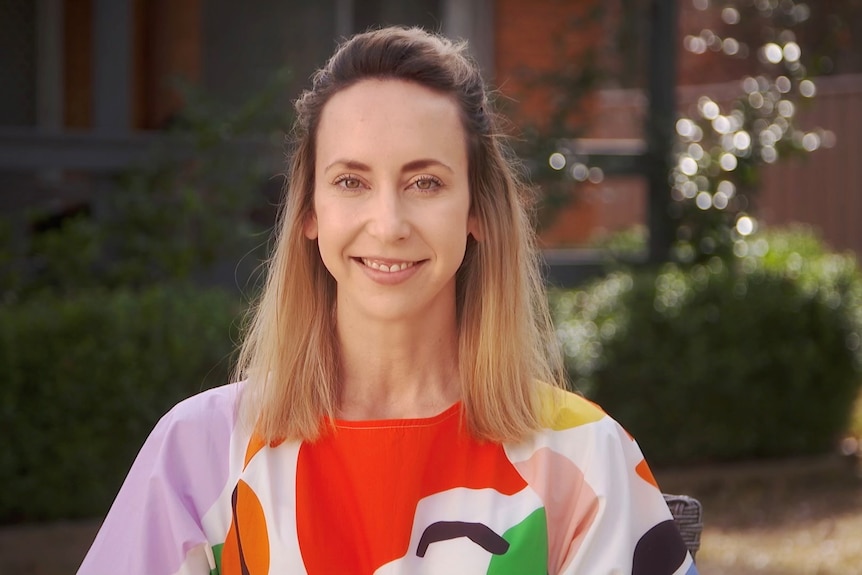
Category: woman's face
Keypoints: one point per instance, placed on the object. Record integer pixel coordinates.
(391, 199)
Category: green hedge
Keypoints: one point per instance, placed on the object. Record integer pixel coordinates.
(758, 357)
(86, 376)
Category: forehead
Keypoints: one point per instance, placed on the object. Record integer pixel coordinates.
(392, 118)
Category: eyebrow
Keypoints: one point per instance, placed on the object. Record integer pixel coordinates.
(413, 165)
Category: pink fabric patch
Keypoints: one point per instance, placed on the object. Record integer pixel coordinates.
(555, 479)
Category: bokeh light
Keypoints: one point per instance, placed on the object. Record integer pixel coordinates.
(792, 52)
(580, 172)
(777, 130)
(727, 162)
(721, 124)
(772, 53)
(760, 247)
(684, 127)
(807, 88)
(767, 138)
(595, 175)
(730, 15)
(726, 138)
(811, 141)
(726, 188)
(703, 200)
(801, 12)
(557, 161)
(755, 99)
(687, 165)
(708, 108)
(786, 108)
(689, 189)
(745, 226)
(730, 46)
(695, 44)
(741, 140)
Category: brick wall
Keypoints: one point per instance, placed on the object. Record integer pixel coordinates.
(540, 37)
(167, 48)
(821, 189)
(546, 37)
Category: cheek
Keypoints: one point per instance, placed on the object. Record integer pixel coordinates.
(454, 238)
(332, 235)
(329, 255)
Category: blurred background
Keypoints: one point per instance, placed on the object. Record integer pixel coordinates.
(700, 192)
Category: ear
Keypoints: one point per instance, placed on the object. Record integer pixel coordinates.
(474, 228)
(309, 228)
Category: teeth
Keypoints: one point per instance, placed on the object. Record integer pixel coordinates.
(387, 268)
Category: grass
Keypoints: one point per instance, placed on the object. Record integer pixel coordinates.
(800, 517)
(787, 528)
(791, 518)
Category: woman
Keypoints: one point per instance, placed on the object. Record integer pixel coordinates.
(402, 407)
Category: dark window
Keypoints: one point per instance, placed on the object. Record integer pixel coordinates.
(17, 63)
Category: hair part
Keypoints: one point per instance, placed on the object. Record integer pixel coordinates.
(507, 350)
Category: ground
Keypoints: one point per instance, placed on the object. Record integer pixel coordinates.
(796, 517)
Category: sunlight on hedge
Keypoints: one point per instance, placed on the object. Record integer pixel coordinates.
(751, 357)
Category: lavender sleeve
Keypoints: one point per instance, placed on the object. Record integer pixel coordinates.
(154, 525)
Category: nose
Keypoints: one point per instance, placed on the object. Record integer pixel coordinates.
(388, 216)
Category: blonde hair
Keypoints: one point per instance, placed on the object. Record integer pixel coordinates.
(506, 344)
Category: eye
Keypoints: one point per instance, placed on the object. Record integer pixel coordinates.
(348, 182)
(426, 183)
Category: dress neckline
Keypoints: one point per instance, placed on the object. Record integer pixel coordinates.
(444, 415)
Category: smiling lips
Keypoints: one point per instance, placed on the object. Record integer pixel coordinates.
(387, 267)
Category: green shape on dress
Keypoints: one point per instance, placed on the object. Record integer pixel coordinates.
(528, 548)
(217, 549)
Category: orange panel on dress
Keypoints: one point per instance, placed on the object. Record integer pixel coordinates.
(364, 518)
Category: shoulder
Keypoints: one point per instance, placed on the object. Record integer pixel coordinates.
(188, 451)
(580, 431)
(563, 409)
(204, 421)
(213, 406)
(178, 475)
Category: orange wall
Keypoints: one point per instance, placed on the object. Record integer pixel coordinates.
(78, 63)
(541, 36)
(166, 44)
(167, 49)
(547, 36)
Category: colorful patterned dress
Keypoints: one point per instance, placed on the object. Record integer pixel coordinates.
(407, 496)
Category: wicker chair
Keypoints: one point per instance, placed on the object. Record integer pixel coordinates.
(688, 514)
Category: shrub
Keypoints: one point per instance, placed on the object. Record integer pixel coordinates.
(758, 356)
(85, 379)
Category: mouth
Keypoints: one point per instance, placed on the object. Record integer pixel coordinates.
(388, 266)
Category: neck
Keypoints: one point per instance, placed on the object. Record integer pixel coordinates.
(397, 369)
